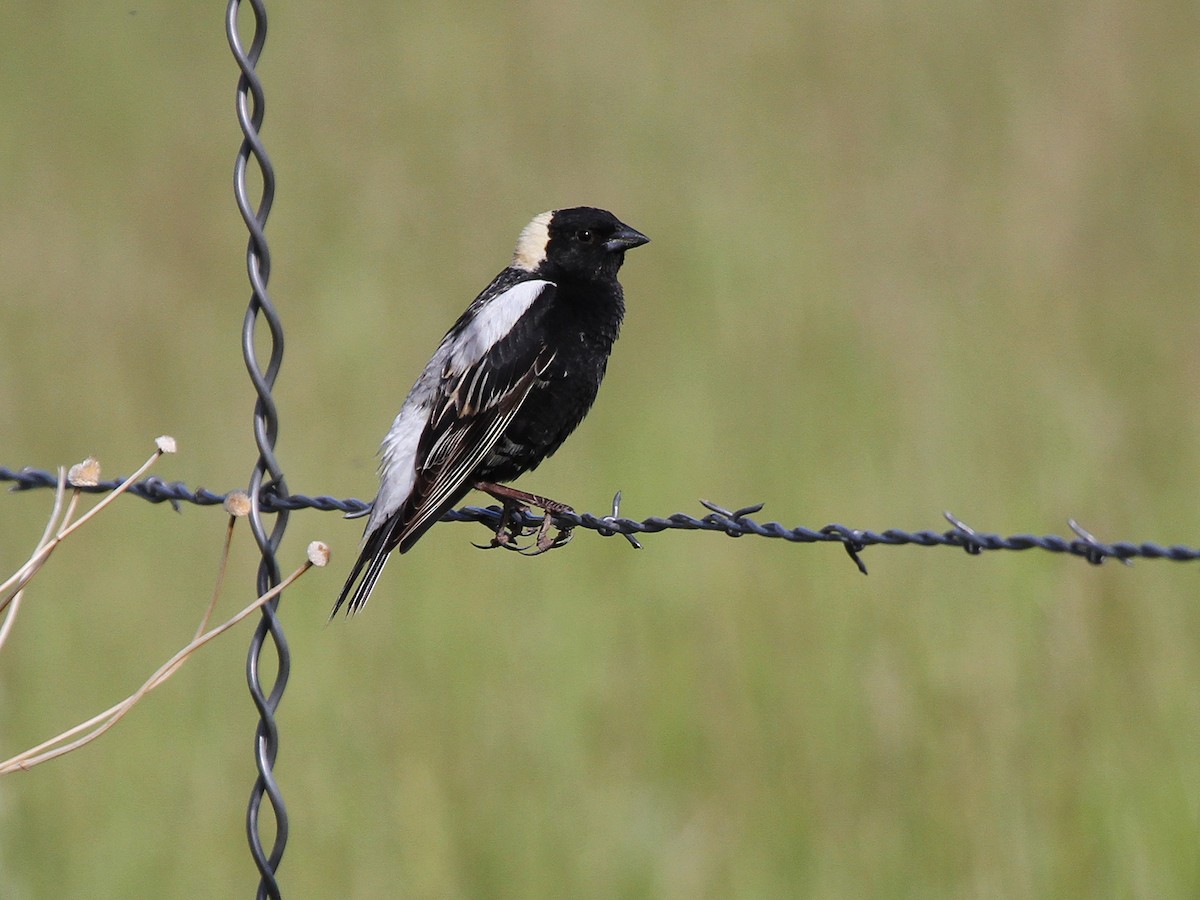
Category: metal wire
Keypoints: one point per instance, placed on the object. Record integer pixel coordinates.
(267, 477)
(731, 522)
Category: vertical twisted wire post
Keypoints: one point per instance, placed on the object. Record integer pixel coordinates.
(267, 474)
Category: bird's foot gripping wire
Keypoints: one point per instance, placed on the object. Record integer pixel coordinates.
(509, 532)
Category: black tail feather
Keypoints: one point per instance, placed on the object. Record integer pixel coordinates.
(363, 594)
(395, 534)
(374, 554)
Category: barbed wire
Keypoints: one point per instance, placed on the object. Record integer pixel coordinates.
(267, 476)
(731, 522)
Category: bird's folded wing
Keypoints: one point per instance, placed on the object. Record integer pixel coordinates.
(473, 408)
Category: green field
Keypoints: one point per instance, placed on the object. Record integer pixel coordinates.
(906, 257)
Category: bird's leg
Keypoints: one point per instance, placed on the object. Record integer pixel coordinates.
(544, 541)
(514, 499)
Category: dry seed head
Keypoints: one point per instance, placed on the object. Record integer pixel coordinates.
(237, 503)
(85, 474)
(165, 443)
(318, 553)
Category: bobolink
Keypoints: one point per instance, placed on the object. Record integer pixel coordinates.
(511, 379)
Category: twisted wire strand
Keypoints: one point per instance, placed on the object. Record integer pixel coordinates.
(266, 479)
(734, 523)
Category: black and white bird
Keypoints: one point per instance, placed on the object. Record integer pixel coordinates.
(510, 381)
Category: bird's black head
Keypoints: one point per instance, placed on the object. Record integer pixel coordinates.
(581, 242)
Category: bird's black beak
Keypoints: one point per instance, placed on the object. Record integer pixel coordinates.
(625, 238)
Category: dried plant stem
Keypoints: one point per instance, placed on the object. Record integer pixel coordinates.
(212, 603)
(60, 493)
(10, 615)
(120, 489)
(100, 723)
(66, 527)
(13, 603)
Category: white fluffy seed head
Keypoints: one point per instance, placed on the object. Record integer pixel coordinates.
(318, 553)
(237, 503)
(84, 474)
(531, 245)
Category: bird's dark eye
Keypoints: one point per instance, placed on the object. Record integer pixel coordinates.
(585, 236)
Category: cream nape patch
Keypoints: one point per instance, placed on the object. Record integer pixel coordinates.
(531, 244)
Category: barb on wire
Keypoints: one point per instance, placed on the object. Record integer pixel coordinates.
(735, 523)
(267, 477)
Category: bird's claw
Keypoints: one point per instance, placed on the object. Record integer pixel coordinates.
(506, 544)
(545, 542)
(507, 533)
(515, 505)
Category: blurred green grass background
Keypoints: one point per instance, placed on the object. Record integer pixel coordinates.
(906, 257)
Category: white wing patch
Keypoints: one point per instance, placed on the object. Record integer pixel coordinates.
(494, 320)
(398, 469)
(457, 353)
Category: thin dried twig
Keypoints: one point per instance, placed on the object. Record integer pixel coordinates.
(10, 615)
(212, 603)
(318, 554)
(12, 604)
(82, 475)
(237, 504)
